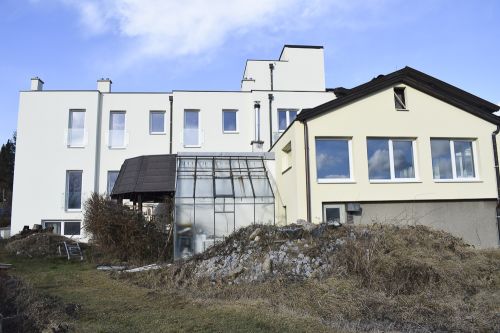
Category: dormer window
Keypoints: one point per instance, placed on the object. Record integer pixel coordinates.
(399, 98)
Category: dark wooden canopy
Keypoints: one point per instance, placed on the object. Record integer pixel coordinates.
(146, 178)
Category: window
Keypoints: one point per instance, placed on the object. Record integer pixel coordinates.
(117, 129)
(285, 118)
(74, 190)
(334, 213)
(391, 159)
(333, 159)
(157, 122)
(399, 98)
(191, 128)
(59, 227)
(286, 161)
(56, 226)
(76, 128)
(453, 159)
(72, 228)
(112, 175)
(229, 121)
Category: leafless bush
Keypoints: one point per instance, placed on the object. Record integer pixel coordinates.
(120, 233)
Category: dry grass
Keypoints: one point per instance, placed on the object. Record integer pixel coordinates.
(382, 278)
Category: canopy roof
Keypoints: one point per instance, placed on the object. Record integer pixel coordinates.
(152, 177)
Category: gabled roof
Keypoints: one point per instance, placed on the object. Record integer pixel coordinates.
(416, 79)
(152, 176)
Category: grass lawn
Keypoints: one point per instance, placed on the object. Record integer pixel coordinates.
(111, 305)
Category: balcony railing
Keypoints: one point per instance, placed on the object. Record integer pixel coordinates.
(117, 138)
(76, 137)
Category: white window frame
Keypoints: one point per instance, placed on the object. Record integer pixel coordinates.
(66, 193)
(456, 179)
(62, 226)
(288, 122)
(237, 122)
(351, 179)
(151, 132)
(393, 178)
(107, 180)
(199, 128)
(125, 134)
(342, 210)
(84, 139)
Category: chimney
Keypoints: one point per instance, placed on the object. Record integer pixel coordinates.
(104, 85)
(36, 84)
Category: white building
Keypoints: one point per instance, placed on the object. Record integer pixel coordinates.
(71, 143)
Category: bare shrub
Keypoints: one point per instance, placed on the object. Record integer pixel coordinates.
(121, 233)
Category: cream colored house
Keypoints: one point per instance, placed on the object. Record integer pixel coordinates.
(402, 148)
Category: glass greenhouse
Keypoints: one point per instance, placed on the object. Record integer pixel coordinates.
(217, 195)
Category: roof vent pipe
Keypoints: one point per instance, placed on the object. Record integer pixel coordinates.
(104, 85)
(271, 69)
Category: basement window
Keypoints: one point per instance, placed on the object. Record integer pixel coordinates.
(399, 98)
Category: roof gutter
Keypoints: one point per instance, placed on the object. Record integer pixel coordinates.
(497, 173)
(308, 172)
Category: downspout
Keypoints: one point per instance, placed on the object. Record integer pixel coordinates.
(171, 99)
(497, 173)
(271, 97)
(271, 70)
(308, 182)
(97, 165)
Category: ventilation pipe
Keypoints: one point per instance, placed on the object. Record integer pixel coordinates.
(104, 85)
(271, 70)
(257, 143)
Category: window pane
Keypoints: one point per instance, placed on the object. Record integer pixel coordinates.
(112, 175)
(191, 128)
(293, 115)
(441, 159)
(332, 159)
(332, 214)
(157, 122)
(403, 159)
(55, 225)
(74, 190)
(223, 187)
(464, 161)
(71, 228)
(378, 159)
(117, 129)
(229, 121)
(399, 98)
(76, 128)
(282, 120)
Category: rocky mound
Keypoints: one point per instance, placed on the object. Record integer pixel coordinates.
(36, 245)
(352, 278)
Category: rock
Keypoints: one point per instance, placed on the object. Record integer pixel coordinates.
(255, 233)
(235, 272)
(307, 226)
(256, 239)
(267, 266)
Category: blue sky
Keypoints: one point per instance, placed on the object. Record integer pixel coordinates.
(155, 45)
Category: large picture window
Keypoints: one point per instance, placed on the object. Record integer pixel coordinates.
(74, 190)
(391, 159)
(452, 159)
(76, 128)
(191, 128)
(333, 159)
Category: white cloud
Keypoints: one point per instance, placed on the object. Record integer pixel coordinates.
(172, 28)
